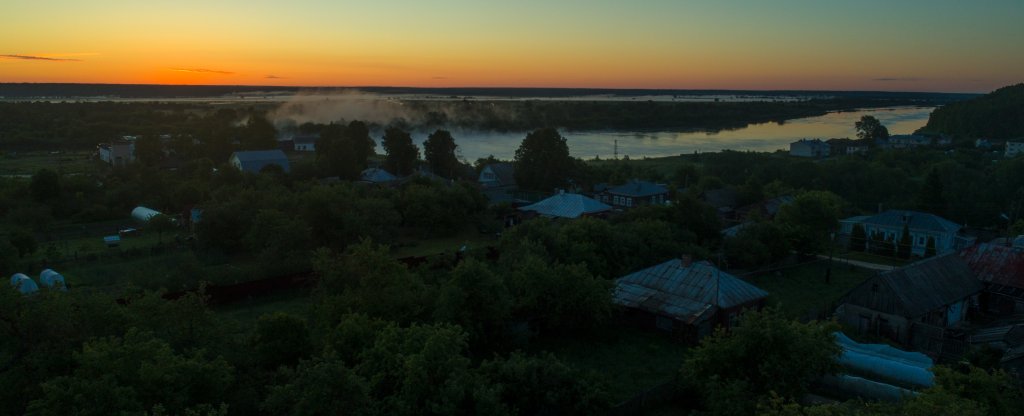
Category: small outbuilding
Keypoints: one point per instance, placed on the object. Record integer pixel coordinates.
(688, 299)
(52, 279)
(1001, 269)
(23, 284)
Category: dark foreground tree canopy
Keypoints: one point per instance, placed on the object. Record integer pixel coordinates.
(998, 115)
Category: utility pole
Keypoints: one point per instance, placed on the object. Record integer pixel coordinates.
(616, 149)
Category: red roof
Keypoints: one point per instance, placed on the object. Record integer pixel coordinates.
(997, 264)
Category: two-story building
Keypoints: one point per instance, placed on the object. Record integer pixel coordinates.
(809, 148)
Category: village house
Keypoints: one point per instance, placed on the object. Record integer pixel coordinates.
(377, 176)
(497, 175)
(687, 299)
(909, 141)
(1001, 269)
(304, 143)
(118, 153)
(809, 148)
(567, 205)
(922, 226)
(253, 161)
(634, 193)
(1013, 149)
(925, 297)
(845, 146)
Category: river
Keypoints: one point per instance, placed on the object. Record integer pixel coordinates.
(765, 137)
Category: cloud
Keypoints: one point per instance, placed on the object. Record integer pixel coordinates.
(911, 79)
(273, 77)
(36, 58)
(202, 71)
(439, 78)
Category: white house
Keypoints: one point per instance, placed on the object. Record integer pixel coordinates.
(921, 226)
(305, 143)
(253, 161)
(118, 153)
(809, 148)
(1014, 148)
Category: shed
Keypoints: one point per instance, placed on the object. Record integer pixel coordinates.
(567, 205)
(934, 292)
(1001, 269)
(52, 279)
(687, 298)
(253, 161)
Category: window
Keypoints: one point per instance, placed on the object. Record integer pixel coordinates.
(920, 241)
(618, 200)
(629, 202)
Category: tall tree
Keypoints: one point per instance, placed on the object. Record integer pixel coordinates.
(542, 161)
(439, 150)
(870, 129)
(148, 149)
(810, 218)
(45, 185)
(343, 150)
(858, 238)
(903, 247)
(401, 152)
(930, 197)
(259, 134)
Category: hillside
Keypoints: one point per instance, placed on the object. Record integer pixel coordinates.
(998, 115)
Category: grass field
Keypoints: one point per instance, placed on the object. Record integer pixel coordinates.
(246, 313)
(801, 292)
(629, 359)
(27, 163)
(470, 237)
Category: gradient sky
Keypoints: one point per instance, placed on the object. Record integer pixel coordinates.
(904, 45)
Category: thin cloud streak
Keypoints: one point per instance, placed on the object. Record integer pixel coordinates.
(201, 71)
(898, 79)
(273, 77)
(37, 58)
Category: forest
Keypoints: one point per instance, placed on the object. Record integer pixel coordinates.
(463, 332)
(998, 115)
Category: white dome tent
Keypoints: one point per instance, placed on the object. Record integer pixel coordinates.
(24, 284)
(52, 279)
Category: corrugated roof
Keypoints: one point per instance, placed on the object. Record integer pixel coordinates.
(915, 221)
(253, 161)
(567, 205)
(997, 264)
(377, 175)
(639, 189)
(931, 283)
(686, 292)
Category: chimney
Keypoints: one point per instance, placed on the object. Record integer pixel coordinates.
(686, 260)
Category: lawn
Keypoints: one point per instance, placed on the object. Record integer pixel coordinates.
(629, 359)
(801, 292)
(27, 163)
(470, 237)
(246, 313)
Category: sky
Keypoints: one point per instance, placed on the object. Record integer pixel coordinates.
(891, 45)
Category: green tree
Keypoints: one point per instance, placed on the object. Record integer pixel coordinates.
(439, 151)
(45, 185)
(476, 299)
(870, 129)
(280, 340)
(259, 134)
(343, 150)
(905, 244)
(401, 152)
(930, 199)
(322, 386)
(858, 238)
(542, 161)
(543, 385)
(23, 241)
(149, 150)
(810, 219)
(8, 257)
(277, 236)
(134, 374)
(765, 353)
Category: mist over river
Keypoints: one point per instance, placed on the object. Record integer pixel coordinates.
(765, 137)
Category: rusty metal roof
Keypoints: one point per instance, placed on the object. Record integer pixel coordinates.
(996, 264)
(686, 292)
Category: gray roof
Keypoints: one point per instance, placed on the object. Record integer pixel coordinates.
(377, 175)
(721, 198)
(253, 161)
(922, 286)
(505, 172)
(638, 189)
(566, 205)
(922, 221)
(685, 292)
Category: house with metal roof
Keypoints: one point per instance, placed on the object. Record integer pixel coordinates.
(1001, 269)
(930, 294)
(632, 194)
(305, 143)
(686, 298)
(497, 175)
(567, 205)
(377, 175)
(922, 226)
(253, 161)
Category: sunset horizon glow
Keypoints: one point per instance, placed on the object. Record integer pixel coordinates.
(935, 46)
